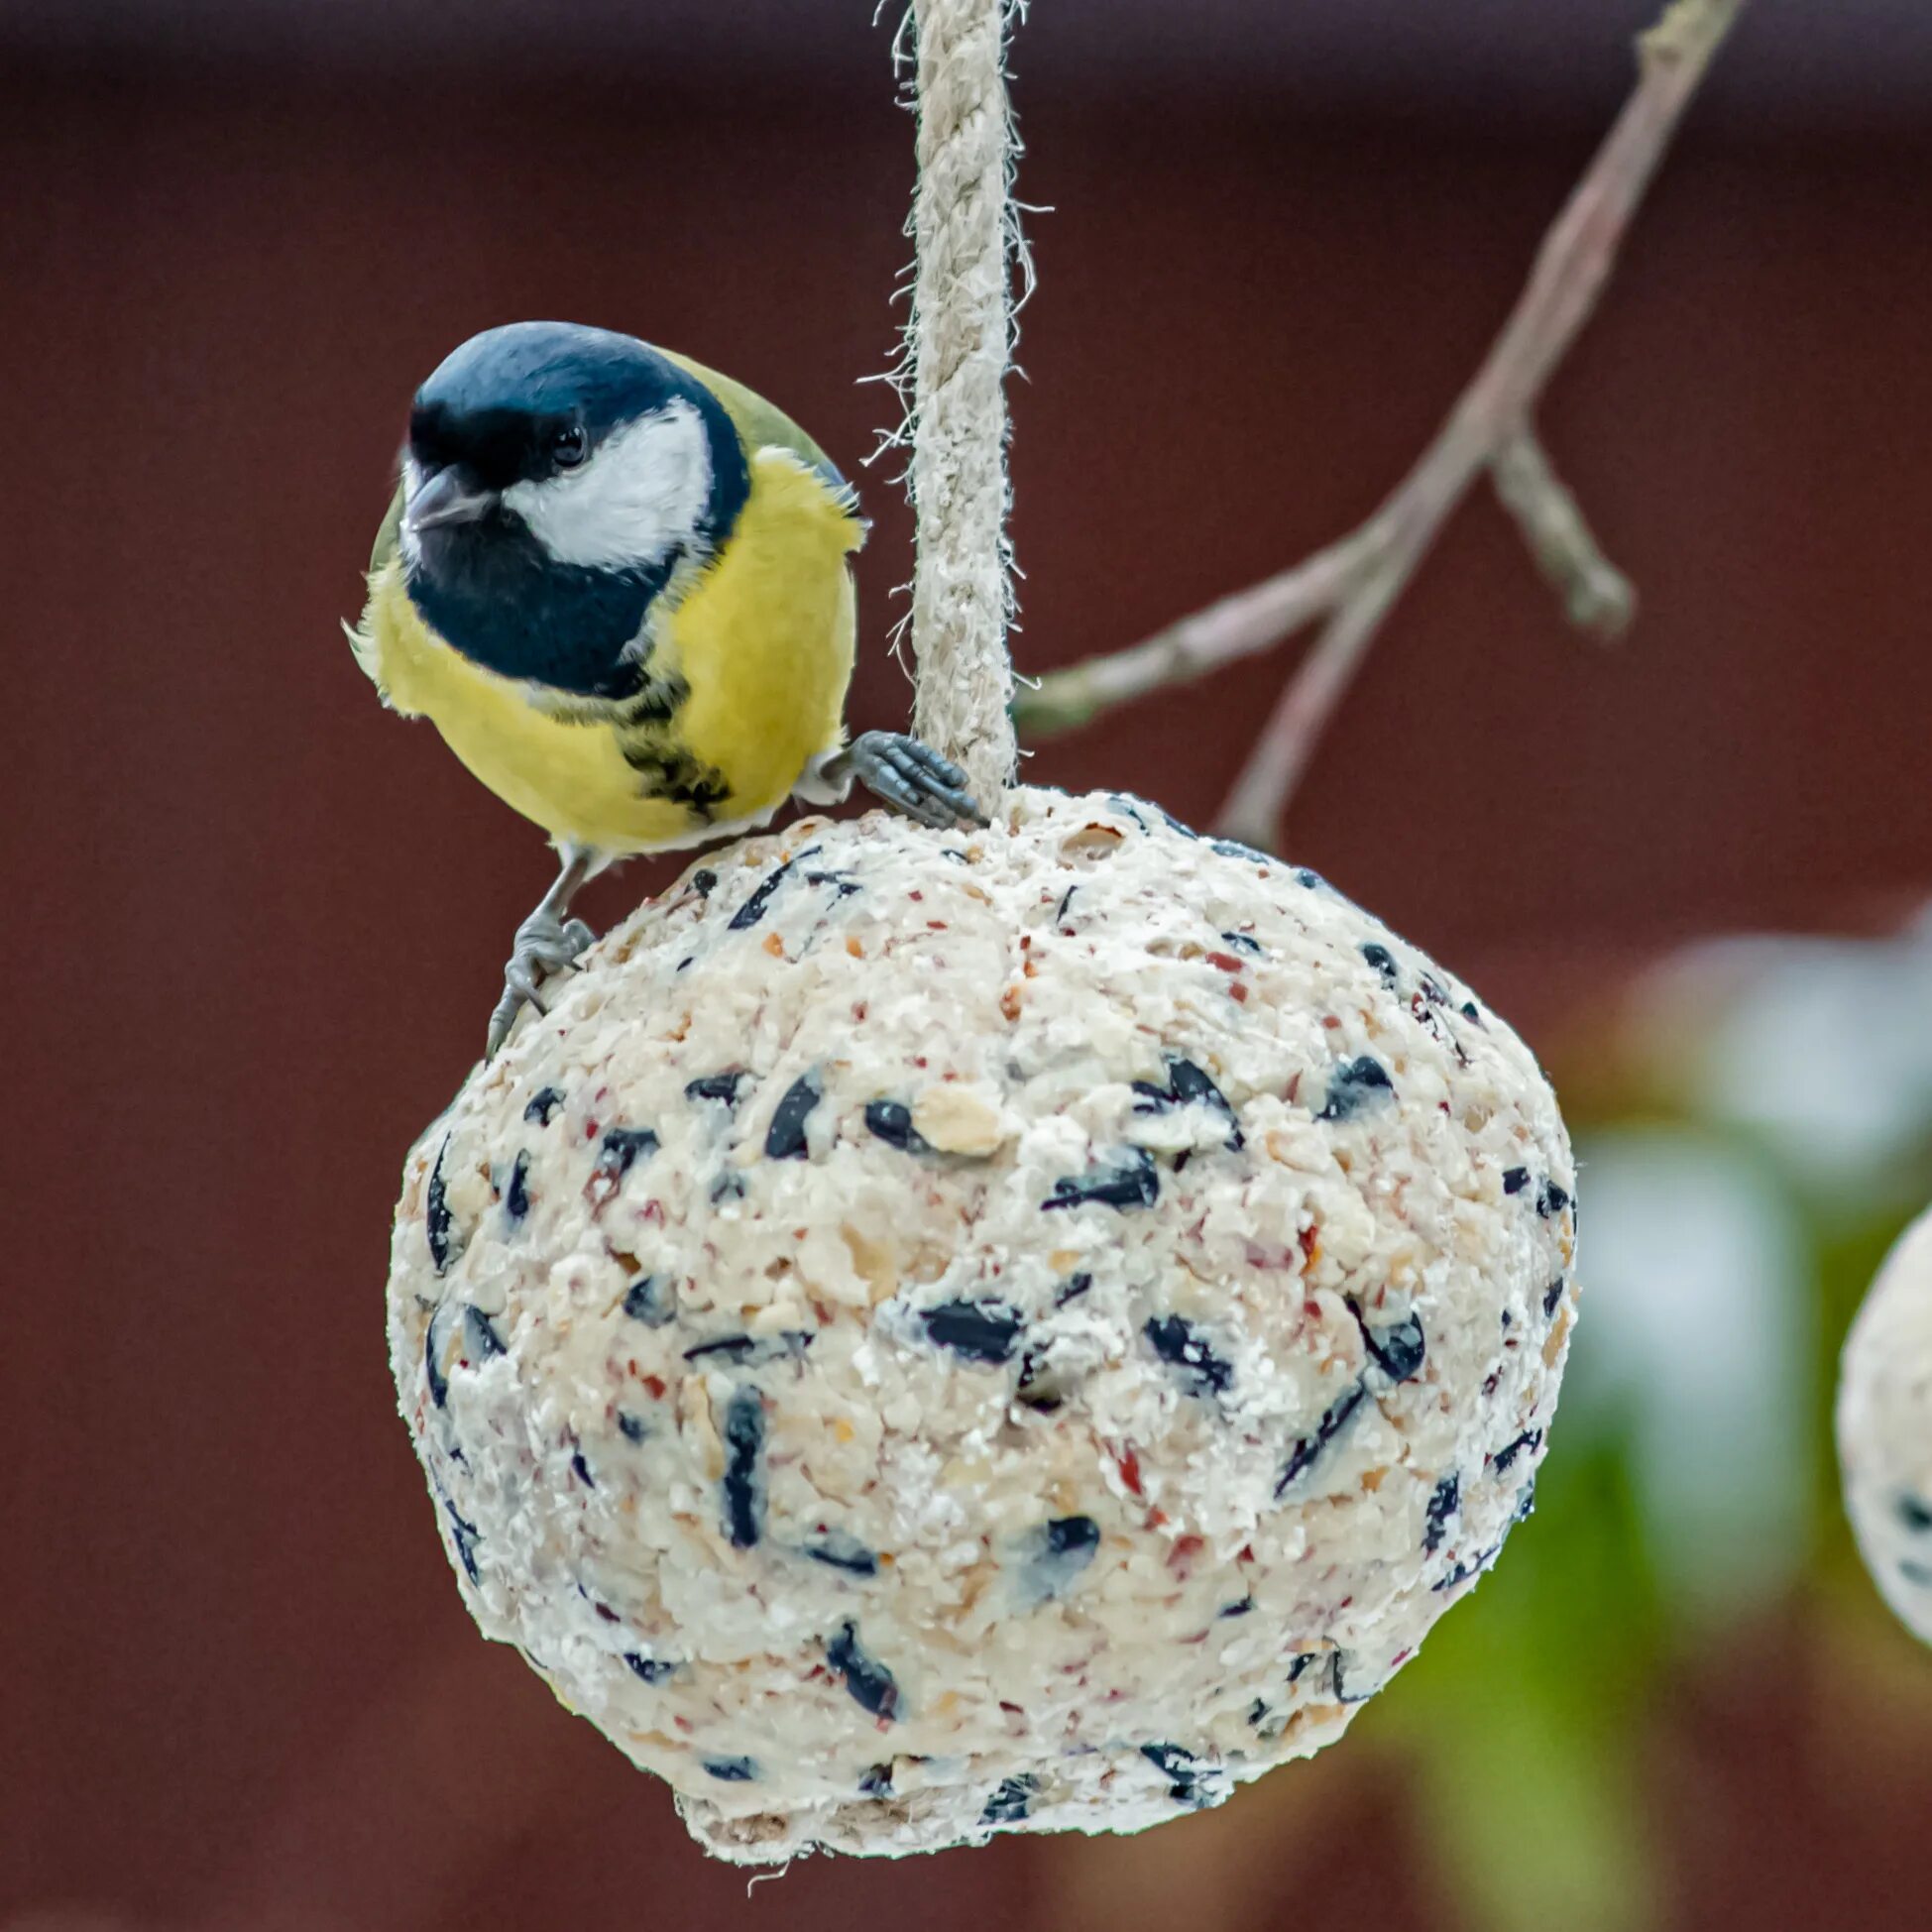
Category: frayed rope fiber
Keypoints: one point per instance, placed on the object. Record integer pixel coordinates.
(961, 334)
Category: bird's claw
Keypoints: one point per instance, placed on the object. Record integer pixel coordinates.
(915, 778)
(545, 946)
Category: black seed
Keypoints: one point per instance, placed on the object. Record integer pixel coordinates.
(1382, 960)
(480, 1341)
(716, 1086)
(733, 1771)
(1178, 1342)
(1553, 1295)
(516, 1196)
(982, 1332)
(1552, 1200)
(1341, 1695)
(1333, 1420)
(1180, 1765)
(1240, 1609)
(619, 1151)
(1398, 1351)
(846, 886)
(690, 960)
(1066, 900)
(435, 1216)
(583, 1469)
(1063, 1553)
(1257, 1713)
(1913, 1514)
(1514, 1180)
(543, 1105)
(1011, 1802)
(1441, 1506)
(1037, 1386)
(1071, 1536)
(785, 1138)
(651, 1669)
(840, 1551)
(431, 1368)
(1189, 1087)
(1311, 879)
(876, 1782)
(1464, 1571)
(632, 1427)
(753, 910)
(466, 1537)
(733, 1348)
(743, 1439)
(751, 1348)
(1507, 1453)
(1354, 1086)
(890, 1122)
(703, 880)
(1470, 1012)
(870, 1683)
(646, 1300)
(1136, 1185)
(1306, 1661)
(1229, 849)
(1073, 1289)
(1242, 942)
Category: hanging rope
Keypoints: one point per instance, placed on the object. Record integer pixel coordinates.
(961, 333)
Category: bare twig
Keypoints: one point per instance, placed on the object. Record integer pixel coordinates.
(1238, 626)
(1596, 594)
(1355, 582)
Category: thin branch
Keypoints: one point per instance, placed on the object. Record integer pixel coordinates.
(1238, 626)
(1355, 582)
(1596, 594)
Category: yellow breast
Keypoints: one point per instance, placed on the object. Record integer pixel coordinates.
(763, 639)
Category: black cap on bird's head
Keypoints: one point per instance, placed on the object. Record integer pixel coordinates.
(556, 479)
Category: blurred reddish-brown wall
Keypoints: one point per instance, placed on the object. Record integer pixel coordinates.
(253, 924)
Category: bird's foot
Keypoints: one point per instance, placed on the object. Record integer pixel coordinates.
(545, 946)
(914, 777)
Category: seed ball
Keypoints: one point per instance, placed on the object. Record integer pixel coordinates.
(939, 1334)
(1884, 1428)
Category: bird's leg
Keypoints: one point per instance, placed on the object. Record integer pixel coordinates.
(547, 941)
(899, 771)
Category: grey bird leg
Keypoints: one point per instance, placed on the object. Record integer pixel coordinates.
(900, 771)
(546, 943)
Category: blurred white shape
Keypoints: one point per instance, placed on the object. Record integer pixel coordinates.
(1697, 1328)
(1819, 1046)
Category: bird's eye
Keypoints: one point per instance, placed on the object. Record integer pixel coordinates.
(569, 446)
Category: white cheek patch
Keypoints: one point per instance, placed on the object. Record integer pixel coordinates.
(406, 539)
(638, 499)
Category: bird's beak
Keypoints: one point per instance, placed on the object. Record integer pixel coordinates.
(451, 495)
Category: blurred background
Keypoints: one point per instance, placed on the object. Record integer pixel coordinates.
(253, 925)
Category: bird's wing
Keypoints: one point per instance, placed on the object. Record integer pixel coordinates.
(763, 425)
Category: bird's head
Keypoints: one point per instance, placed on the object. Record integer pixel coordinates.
(576, 447)
(557, 480)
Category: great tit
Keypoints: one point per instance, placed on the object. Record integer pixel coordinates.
(619, 585)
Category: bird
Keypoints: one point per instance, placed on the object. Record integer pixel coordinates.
(621, 585)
